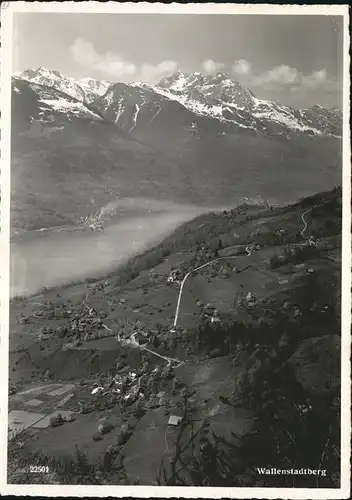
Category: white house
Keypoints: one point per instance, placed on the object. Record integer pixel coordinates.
(174, 420)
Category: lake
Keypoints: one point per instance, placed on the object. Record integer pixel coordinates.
(57, 256)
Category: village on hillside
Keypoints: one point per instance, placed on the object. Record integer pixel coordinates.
(185, 355)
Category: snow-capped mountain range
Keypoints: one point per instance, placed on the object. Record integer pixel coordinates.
(195, 139)
(192, 101)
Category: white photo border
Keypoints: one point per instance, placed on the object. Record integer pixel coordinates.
(8, 9)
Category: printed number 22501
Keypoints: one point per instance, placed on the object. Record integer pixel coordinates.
(38, 469)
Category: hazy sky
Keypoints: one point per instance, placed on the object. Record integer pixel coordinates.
(296, 60)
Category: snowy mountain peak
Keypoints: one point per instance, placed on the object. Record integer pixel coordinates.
(85, 90)
(216, 91)
(40, 73)
(98, 87)
(218, 77)
(177, 81)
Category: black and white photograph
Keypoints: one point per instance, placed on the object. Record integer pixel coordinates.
(175, 187)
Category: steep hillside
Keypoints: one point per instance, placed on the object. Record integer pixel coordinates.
(250, 360)
(143, 111)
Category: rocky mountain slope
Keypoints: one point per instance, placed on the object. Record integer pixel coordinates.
(73, 139)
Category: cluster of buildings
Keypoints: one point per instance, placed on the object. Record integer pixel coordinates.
(86, 323)
(174, 276)
(127, 386)
(211, 314)
(245, 299)
(94, 222)
(137, 339)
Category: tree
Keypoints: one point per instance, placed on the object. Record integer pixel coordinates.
(56, 420)
(274, 261)
(139, 409)
(109, 458)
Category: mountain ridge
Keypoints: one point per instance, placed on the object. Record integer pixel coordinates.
(217, 97)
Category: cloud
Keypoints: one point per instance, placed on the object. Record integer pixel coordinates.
(316, 79)
(241, 67)
(85, 54)
(284, 77)
(278, 77)
(209, 66)
(112, 64)
(320, 81)
(152, 73)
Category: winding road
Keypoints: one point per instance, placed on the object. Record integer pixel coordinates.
(249, 252)
(304, 221)
(193, 271)
(133, 342)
